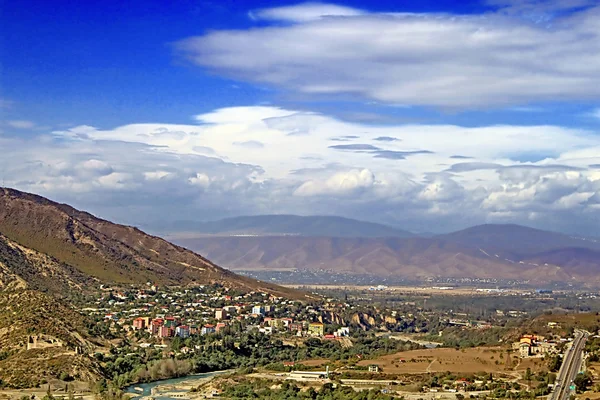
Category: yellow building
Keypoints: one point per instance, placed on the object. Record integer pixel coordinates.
(316, 329)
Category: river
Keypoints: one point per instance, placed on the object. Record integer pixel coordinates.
(164, 389)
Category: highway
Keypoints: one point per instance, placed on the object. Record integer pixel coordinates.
(570, 367)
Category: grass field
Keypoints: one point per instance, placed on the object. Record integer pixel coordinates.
(472, 360)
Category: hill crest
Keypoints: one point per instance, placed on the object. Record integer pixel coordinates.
(109, 252)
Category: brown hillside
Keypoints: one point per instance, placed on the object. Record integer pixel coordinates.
(61, 340)
(401, 257)
(106, 251)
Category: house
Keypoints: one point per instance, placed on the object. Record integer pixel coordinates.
(373, 368)
(316, 329)
(155, 326)
(183, 331)
(208, 328)
(258, 310)
(220, 314)
(342, 332)
(220, 326)
(165, 331)
(139, 323)
(534, 346)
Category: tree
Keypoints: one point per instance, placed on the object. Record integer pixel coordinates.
(528, 376)
(582, 381)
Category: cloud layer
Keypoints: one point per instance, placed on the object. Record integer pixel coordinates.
(495, 59)
(256, 160)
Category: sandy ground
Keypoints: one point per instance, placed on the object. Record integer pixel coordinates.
(39, 393)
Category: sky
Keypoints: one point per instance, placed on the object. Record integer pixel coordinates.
(431, 116)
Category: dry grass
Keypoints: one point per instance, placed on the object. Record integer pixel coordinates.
(473, 360)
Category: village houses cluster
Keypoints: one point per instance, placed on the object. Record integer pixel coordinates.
(209, 309)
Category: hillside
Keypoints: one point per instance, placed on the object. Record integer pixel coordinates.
(50, 254)
(85, 247)
(42, 337)
(517, 240)
(484, 257)
(275, 225)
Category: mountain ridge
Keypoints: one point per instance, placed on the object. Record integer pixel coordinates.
(482, 252)
(106, 251)
(287, 224)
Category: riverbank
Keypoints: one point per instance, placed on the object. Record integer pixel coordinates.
(174, 388)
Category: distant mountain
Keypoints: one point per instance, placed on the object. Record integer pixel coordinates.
(75, 243)
(518, 240)
(295, 225)
(485, 252)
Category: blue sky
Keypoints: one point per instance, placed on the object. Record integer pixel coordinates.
(197, 93)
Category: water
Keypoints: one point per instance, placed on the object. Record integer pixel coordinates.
(147, 387)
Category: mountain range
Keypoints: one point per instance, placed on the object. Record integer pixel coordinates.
(484, 252)
(284, 225)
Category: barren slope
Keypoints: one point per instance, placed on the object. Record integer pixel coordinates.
(409, 258)
(106, 251)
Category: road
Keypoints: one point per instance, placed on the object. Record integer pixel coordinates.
(570, 367)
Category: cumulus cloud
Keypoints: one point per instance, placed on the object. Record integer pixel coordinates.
(420, 181)
(340, 184)
(448, 61)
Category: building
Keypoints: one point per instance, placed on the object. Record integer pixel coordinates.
(373, 368)
(155, 326)
(309, 375)
(183, 331)
(258, 310)
(534, 346)
(220, 326)
(208, 328)
(139, 323)
(342, 332)
(220, 314)
(165, 331)
(316, 329)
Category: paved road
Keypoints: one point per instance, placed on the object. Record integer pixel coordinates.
(570, 367)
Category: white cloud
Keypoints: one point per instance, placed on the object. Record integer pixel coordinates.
(340, 184)
(20, 124)
(201, 180)
(166, 169)
(540, 8)
(304, 12)
(448, 61)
